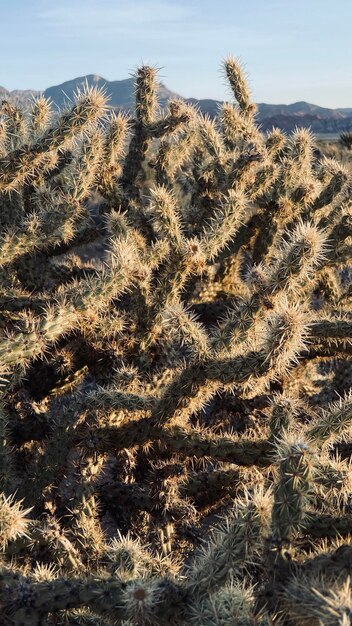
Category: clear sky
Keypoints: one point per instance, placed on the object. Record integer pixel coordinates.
(292, 49)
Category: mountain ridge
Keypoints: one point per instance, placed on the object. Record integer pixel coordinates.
(284, 116)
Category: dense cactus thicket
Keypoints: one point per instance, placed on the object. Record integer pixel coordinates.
(176, 411)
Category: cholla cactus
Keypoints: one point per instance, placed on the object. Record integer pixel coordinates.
(346, 140)
(198, 366)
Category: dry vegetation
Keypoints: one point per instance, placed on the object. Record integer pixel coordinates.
(175, 424)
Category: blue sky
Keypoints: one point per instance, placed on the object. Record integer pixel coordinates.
(292, 49)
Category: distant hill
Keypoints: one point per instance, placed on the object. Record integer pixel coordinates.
(121, 96)
(22, 97)
(289, 116)
(319, 119)
(120, 91)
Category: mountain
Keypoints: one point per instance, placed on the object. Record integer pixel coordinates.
(120, 91)
(319, 119)
(299, 108)
(289, 116)
(121, 96)
(22, 97)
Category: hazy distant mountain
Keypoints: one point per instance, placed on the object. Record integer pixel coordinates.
(345, 110)
(22, 97)
(289, 116)
(319, 119)
(120, 91)
(121, 96)
(299, 108)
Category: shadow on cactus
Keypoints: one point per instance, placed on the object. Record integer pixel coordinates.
(176, 406)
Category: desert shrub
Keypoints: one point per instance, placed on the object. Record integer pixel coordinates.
(176, 412)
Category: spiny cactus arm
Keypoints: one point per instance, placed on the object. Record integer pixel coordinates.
(295, 232)
(189, 391)
(64, 159)
(85, 231)
(317, 600)
(15, 242)
(238, 83)
(332, 329)
(237, 321)
(129, 559)
(146, 101)
(243, 169)
(223, 224)
(275, 143)
(339, 252)
(243, 238)
(300, 146)
(237, 129)
(135, 156)
(304, 194)
(115, 138)
(18, 166)
(323, 350)
(284, 408)
(114, 145)
(170, 282)
(48, 467)
(179, 116)
(55, 222)
(212, 140)
(85, 617)
(145, 94)
(187, 395)
(261, 183)
(292, 493)
(264, 228)
(338, 177)
(41, 113)
(186, 326)
(328, 283)
(333, 423)
(18, 349)
(13, 519)
(284, 335)
(13, 299)
(345, 140)
(111, 398)
(188, 442)
(232, 547)
(199, 443)
(4, 130)
(47, 539)
(94, 293)
(75, 304)
(297, 257)
(338, 216)
(83, 518)
(332, 482)
(319, 525)
(160, 600)
(171, 156)
(83, 175)
(165, 215)
(202, 488)
(233, 602)
(17, 125)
